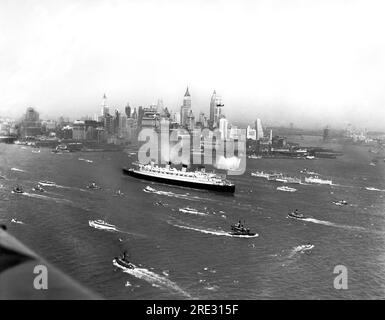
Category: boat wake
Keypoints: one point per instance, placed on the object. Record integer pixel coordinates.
(85, 160)
(214, 232)
(53, 184)
(148, 189)
(153, 278)
(192, 211)
(40, 196)
(332, 224)
(103, 226)
(301, 249)
(374, 189)
(18, 170)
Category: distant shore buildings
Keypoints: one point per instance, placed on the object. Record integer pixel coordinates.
(110, 126)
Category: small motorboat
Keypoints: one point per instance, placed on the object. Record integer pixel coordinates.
(101, 224)
(39, 188)
(119, 193)
(305, 247)
(122, 262)
(18, 189)
(47, 183)
(340, 203)
(149, 189)
(240, 230)
(296, 215)
(93, 186)
(287, 189)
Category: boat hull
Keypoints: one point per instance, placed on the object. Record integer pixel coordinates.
(188, 184)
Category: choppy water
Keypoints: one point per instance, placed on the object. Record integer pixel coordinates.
(188, 255)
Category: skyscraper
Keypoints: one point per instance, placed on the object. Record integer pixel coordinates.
(259, 129)
(212, 107)
(185, 108)
(127, 110)
(134, 114)
(223, 128)
(190, 120)
(31, 124)
(105, 109)
(216, 105)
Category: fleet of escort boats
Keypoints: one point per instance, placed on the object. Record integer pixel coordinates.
(199, 179)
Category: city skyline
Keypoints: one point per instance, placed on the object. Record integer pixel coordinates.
(257, 55)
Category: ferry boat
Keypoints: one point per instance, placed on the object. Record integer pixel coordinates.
(274, 176)
(260, 174)
(293, 180)
(184, 178)
(317, 180)
(280, 178)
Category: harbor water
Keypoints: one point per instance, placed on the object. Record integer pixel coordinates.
(188, 253)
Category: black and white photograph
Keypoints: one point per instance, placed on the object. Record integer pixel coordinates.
(181, 150)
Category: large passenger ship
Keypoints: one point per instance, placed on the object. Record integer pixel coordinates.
(191, 179)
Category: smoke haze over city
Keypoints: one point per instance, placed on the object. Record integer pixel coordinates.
(313, 63)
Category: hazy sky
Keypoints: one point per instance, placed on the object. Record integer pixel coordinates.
(314, 63)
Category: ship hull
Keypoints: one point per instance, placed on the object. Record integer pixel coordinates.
(187, 184)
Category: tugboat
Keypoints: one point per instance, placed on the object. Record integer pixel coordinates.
(240, 230)
(18, 189)
(39, 188)
(122, 262)
(296, 215)
(93, 186)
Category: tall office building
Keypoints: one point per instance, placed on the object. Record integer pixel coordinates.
(105, 109)
(190, 120)
(116, 121)
(218, 114)
(134, 114)
(259, 129)
(251, 133)
(212, 107)
(185, 108)
(31, 124)
(223, 128)
(127, 110)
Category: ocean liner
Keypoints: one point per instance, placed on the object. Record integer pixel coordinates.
(184, 178)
